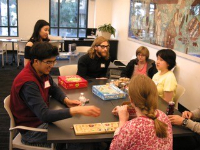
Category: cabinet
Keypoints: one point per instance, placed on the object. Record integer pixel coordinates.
(88, 42)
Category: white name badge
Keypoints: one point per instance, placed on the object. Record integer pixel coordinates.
(46, 84)
(103, 66)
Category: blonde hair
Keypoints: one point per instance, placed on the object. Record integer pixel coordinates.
(97, 42)
(144, 51)
(144, 95)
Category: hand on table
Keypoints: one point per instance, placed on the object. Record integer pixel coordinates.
(72, 103)
(187, 114)
(176, 119)
(92, 111)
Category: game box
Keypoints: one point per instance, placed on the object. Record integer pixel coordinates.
(72, 82)
(108, 92)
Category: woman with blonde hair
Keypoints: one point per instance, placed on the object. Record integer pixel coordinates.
(95, 63)
(151, 129)
(141, 65)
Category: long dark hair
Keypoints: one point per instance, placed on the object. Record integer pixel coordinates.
(38, 25)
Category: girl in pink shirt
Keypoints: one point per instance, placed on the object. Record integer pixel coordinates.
(151, 129)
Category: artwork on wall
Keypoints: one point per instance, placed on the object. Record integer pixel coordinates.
(173, 24)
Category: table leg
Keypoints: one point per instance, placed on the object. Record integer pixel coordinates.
(13, 54)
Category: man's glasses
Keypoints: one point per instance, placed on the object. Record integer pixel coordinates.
(50, 62)
(104, 46)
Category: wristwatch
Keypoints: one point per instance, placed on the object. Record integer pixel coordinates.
(185, 122)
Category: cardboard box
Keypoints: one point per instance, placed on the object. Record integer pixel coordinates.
(72, 82)
(108, 92)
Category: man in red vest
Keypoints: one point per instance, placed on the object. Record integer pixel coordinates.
(30, 94)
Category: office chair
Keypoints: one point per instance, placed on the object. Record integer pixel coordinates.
(180, 90)
(20, 50)
(3, 50)
(68, 70)
(15, 139)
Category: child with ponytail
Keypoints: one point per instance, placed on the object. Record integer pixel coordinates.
(151, 129)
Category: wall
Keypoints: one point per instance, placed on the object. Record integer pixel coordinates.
(187, 71)
(29, 12)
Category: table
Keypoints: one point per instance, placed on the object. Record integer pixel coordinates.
(62, 132)
(13, 47)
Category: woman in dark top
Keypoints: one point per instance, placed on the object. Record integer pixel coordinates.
(40, 33)
(141, 65)
(95, 63)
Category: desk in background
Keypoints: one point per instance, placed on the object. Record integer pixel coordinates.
(88, 42)
(62, 132)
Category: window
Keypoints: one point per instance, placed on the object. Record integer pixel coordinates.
(68, 18)
(8, 18)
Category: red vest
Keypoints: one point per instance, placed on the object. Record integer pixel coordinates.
(22, 114)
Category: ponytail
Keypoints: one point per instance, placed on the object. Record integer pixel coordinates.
(143, 93)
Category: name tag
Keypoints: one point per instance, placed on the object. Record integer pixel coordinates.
(46, 84)
(103, 66)
(156, 83)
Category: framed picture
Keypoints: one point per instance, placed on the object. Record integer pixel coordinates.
(173, 24)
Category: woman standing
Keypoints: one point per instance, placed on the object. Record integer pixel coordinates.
(165, 79)
(141, 65)
(40, 33)
(151, 129)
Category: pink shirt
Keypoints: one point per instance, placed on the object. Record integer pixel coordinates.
(140, 71)
(139, 134)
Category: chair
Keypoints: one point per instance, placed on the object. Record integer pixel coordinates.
(3, 50)
(68, 70)
(15, 141)
(82, 48)
(180, 90)
(20, 50)
(115, 73)
(54, 40)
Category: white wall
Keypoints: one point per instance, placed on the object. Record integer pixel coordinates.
(187, 72)
(29, 11)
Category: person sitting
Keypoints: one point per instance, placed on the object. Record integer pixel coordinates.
(141, 65)
(40, 33)
(95, 63)
(165, 78)
(189, 119)
(30, 93)
(151, 129)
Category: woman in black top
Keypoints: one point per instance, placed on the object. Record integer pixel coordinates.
(141, 65)
(40, 33)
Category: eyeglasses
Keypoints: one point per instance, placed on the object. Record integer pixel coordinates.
(50, 62)
(104, 46)
(140, 55)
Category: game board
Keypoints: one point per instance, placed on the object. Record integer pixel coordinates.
(95, 128)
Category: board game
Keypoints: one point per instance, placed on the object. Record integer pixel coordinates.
(108, 92)
(72, 82)
(95, 128)
(110, 127)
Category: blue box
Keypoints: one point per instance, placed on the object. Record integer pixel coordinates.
(108, 92)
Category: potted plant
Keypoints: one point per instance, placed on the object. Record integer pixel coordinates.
(107, 30)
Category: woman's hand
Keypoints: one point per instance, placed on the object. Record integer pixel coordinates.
(176, 119)
(187, 114)
(123, 114)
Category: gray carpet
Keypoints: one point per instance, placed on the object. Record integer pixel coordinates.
(7, 75)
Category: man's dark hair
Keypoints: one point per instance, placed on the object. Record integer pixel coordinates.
(169, 56)
(43, 50)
